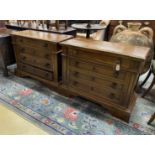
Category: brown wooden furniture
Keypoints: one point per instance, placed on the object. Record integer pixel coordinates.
(151, 119)
(103, 72)
(38, 55)
(7, 56)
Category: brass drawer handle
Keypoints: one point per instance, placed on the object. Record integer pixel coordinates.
(93, 78)
(76, 73)
(22, 49)
(33, 52)
(75, 52)
(92, 88)
(47, 64)
(46, 74)
(76, 63)
(75, 83)
(21, 40)
(23, 57)
(114, 85)
(93, 68)
(23, 67)
(47, 55)
(112, 96)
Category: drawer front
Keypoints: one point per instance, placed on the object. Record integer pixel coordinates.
(95, 91)
(37, 62)
(100, 57)
(40, 53)
(36, 72)
(34, 43)
(105, 58)
(95, 81)
(98, 70)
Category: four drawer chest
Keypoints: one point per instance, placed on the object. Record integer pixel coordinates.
(38, 55)
(104, 72)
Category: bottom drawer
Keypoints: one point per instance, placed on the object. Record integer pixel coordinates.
(36, 71)
(114, 97)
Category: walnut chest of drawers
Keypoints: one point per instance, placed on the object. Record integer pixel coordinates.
(103, 72)
(38, 55)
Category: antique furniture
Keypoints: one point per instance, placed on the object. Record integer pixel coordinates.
(88, 27)
(151, 119)
(135, 36)
(103, 72)
(7, 56)
(152, 71)
(38, 55)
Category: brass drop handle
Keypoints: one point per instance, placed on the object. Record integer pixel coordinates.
(92, 88)
(112, 95)
(75, 52)
(76, 73)
(93, 78)
(23, 67)
(47, 64)
(46, 74)
(33, 52)
(47, 55)
(45, 45)
(75, 83)
(23, 57)
(23, 49)
(93, 68)
(114, 85)
(21, 40)
(76, 63)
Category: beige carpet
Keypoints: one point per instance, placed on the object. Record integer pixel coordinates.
(13, 124)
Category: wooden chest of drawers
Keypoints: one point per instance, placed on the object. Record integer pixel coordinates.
(104, 72)
(38, 55)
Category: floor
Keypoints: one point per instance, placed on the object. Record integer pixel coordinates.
(13, 124)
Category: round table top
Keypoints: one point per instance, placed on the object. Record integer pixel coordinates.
(83, 26)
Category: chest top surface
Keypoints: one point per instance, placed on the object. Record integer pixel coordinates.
(135, 52)
(51, 37)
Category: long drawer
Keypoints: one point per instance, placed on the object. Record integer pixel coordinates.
(33, 42)
(104, 58)
(40, 53)
(98, 70)
(36, 71)
(114, 97)
(37, 62)
(95, 81)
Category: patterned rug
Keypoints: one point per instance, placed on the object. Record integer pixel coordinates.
(71, 116)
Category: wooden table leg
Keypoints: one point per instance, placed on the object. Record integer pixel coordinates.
(151, 119)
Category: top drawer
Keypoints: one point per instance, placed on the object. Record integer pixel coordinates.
(103, 58)
(34, 43)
